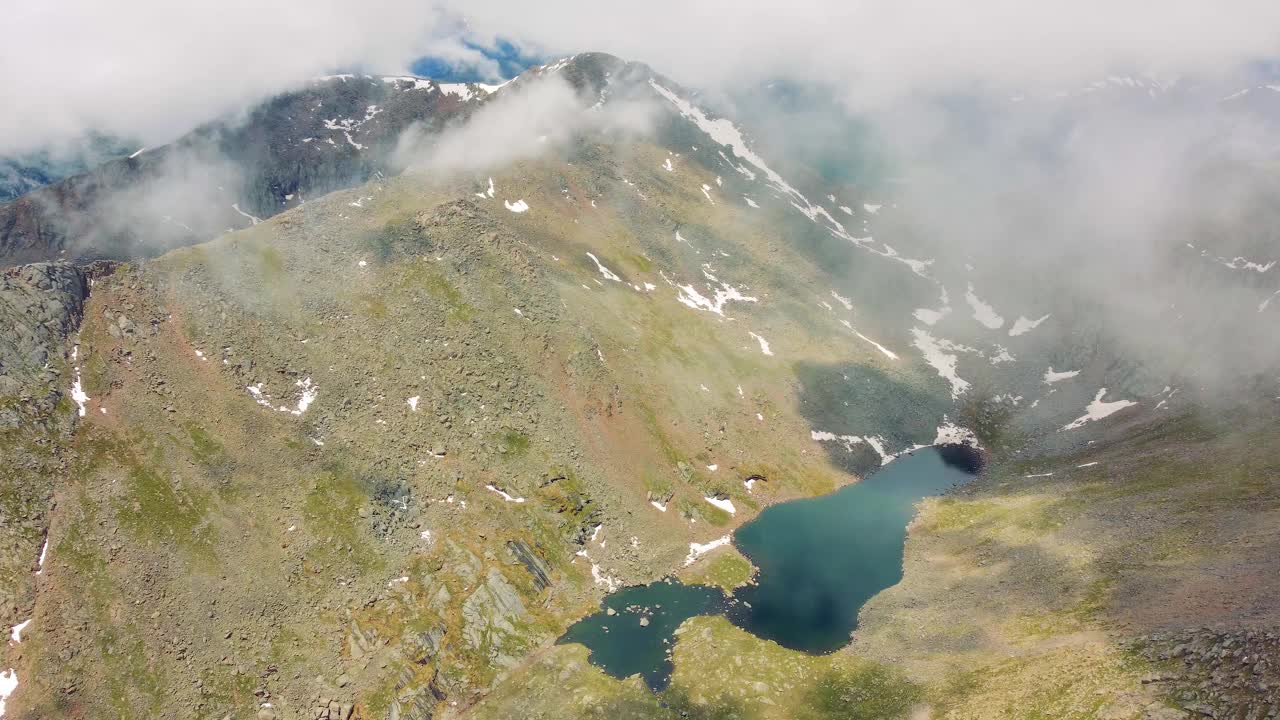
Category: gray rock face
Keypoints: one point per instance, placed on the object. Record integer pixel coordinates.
(489, 615)
(534, 564)
(413, 701)
(424, 646)
(40, 305)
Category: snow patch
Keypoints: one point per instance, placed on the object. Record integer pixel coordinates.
(44, 551)
(1023, 325)
(504, 495)
(875, 442)
(1239, 263)
(78, 394)
(764, 344)
(308, 396)
(886, 351)
(982, 312)
(951, 434)
(931, 317)
(697, 550)
(8, 683)
(606, 272)
(15, 634)
(1051, 377)
(726, 504)
(1001, 354)
(518, 206)
(935, 354)
(252, 219)
(413, 403)
(1098, 410)
(1263, 305)
(464, 91)
(726, 293)
(609, 582)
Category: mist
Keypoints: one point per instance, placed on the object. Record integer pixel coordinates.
(173, 197)
(526, 120)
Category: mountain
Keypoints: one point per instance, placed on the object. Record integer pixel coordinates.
(337, 132)
(25, 172)
(369, 455)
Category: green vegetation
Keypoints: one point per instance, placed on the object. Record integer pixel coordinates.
(271, 261)
(428, 277)
(866, 691)
(205, 448)
(726, 569)
(512, 444)
(332, 507)
(156, 507)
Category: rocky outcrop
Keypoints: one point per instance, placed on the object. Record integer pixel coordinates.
(40, 305)
(490, 616)
(538, 569)
(1218, 673)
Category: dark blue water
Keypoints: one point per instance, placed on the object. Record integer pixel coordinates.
(819, 559)
(622, 647)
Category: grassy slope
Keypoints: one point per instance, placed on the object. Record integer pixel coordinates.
(1022, 596)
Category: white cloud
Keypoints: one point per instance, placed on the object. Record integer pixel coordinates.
(154, 68)
(523, 122)
(879, 47)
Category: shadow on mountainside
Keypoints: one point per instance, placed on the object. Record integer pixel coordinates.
(865, 401)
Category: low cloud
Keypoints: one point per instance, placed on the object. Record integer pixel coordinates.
(870, 51)
(152, 69)
(524, 121)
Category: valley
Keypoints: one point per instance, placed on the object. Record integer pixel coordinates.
(373, 454)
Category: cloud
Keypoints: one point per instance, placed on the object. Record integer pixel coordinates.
(153, 68)
(177, 195)
(526, 120)
(872, 49)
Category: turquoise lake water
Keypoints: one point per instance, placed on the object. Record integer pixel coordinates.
(819, 559)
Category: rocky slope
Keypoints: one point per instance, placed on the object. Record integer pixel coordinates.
(369, 456)
(337, 132)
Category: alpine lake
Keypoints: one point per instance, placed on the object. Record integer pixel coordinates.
(818, 560)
